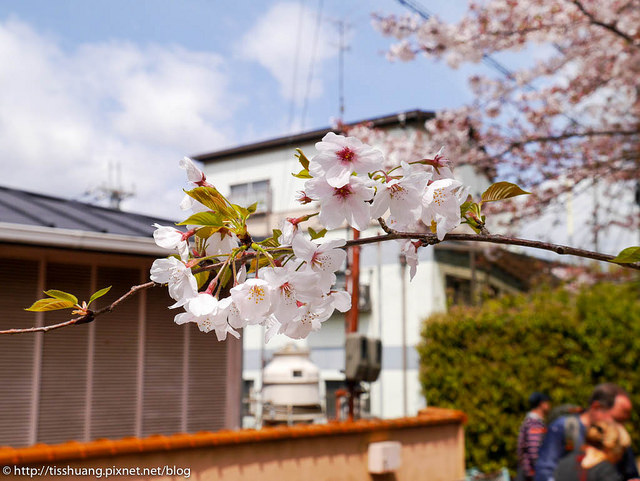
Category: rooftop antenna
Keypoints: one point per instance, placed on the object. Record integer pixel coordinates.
(112, 190)
(342, 47)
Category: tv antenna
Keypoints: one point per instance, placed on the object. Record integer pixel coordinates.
(112, 191)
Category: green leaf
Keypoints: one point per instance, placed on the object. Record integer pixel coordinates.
(201, 278)
(210, 197)
(501, 191)
(243, 212)
(98, 294)
(225, 277)
(476, 209)
(303, 174)
(50, 304)
(317, 235)
(304, 162)
(252, 208)
(464, 207)
(206, 232)
(61, 295)
(263, 262)
(273, 240)
(211, 219)
(628, 255)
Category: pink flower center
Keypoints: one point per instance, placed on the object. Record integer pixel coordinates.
(396, 190)
(286, 289)
(342, 192)
(346, 155)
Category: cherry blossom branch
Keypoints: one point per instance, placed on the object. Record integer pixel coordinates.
(89, 317)
(555, 138)
(390, 234)
(431, 239)
(609, 26)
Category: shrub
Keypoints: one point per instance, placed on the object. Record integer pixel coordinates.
(487, 360)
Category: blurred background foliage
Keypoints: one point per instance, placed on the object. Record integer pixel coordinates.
(487, 360)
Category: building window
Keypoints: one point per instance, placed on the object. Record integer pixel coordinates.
(458, 291)
(250, 192)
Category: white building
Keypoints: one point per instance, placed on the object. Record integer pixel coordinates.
(262, 172)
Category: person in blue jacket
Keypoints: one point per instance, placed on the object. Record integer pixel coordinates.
(608, 402)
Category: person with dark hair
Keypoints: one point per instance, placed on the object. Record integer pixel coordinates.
(531, 433)
(608, 402)
(605, 444)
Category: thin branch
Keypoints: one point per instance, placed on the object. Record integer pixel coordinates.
(432, 239)
(90, 317)
(391, 234)
(556, 138)
(609, 26)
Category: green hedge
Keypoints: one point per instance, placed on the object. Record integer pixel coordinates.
(487, 360)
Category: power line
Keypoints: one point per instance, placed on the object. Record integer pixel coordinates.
(487, 59)
(294, 79)
(312, 62)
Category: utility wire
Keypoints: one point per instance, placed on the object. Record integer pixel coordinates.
(294, 79)
(312, 61)
(487, 59)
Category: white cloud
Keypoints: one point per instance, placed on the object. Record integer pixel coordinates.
(65, 115)
(273, 42)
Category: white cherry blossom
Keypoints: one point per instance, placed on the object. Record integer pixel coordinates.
(410, 250)
(340, 300)
(289, 230)
(272, 327)
(221, 243)
(290, 287)
(441, 204)
(341, 156)
(402, 197)
(325, 259)
(339, 204)
(181, 283)
(208, 314)
(233, 314)
(310, 318)
(253, 299)
(194, 174)
(189, 202)
(170, 238)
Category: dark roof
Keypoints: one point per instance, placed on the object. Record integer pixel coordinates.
(401, 118)
(28, 208)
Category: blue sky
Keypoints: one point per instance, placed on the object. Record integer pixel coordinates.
(143, 83)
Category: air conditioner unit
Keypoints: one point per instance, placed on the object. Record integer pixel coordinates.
(363, 358)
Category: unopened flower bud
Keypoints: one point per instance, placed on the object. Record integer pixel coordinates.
(303, 198)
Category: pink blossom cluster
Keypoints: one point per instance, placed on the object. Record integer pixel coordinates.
(574, 112)
(292, 297)
(293, 292)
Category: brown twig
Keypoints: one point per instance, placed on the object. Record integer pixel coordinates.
(390, 234)
(431, 239)
(612, 27)
(89, 317)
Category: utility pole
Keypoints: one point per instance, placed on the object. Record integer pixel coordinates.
(351, 318)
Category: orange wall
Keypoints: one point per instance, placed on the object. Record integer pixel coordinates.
(432, 448)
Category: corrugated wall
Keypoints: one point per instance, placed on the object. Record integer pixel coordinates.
(132, 372)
